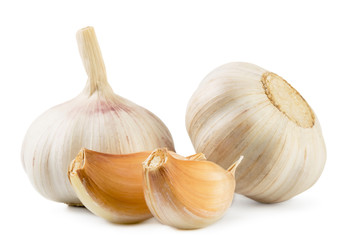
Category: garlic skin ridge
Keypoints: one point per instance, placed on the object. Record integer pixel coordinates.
(187, 193)
(110, 185)
(243, 109)
(96, 119)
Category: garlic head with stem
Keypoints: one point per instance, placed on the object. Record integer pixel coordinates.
(96, 119)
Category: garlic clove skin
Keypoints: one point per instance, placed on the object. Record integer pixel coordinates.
(96, 119)
(186, 193)
(243, 109)
(110, 186)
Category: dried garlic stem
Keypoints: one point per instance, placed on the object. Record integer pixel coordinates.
(92, 59)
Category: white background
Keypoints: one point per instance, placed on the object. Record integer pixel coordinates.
(156, 53)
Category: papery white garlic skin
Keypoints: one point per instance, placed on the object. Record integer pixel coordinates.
(243, 109)
(96, 119)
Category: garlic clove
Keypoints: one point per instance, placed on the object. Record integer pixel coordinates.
(257, 114)
(187, 193)
(96, 119)
(110, 186)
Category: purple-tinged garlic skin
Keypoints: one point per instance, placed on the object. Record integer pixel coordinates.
(96, 119)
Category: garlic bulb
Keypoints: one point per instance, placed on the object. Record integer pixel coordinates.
(243, 109)
(110, 186)
(187, 192)
(96, 119)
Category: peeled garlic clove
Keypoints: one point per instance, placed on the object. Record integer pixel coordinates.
(243, 109)
(186, 193)
(110, 186)
(96, 119)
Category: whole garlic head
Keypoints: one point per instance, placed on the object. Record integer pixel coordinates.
(243, 109)
(96, 119)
